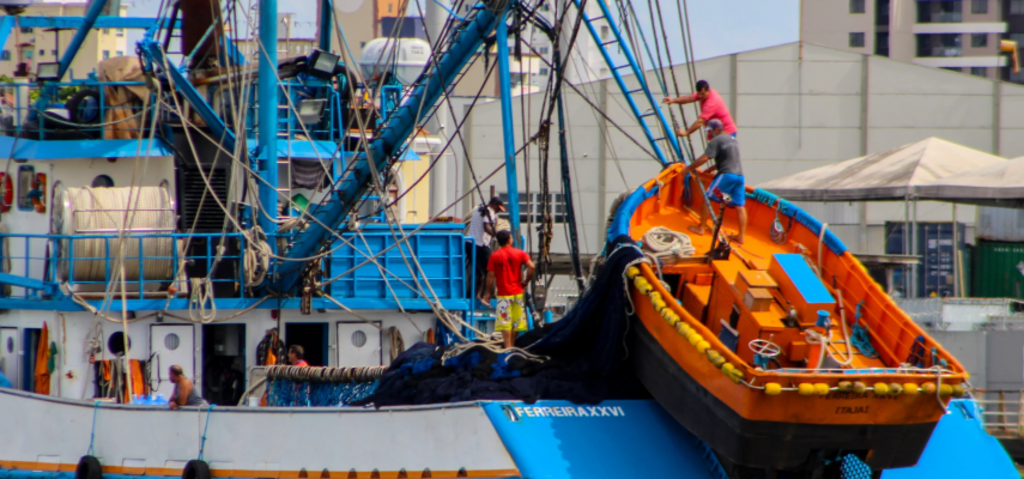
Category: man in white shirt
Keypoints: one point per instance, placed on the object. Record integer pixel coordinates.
(481, 229)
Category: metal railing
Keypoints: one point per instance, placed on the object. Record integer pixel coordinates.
(1001, 411)
(18, 104)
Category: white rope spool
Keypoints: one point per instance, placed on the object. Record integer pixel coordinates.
(668, 245)
(115, 212)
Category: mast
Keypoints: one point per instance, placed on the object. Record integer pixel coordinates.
(267, 131)
(505, 84)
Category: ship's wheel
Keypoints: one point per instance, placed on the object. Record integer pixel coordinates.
(765, 353)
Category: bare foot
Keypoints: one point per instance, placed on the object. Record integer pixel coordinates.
(699, 231)
(735, 239)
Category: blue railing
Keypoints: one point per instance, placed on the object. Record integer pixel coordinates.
(86, 264)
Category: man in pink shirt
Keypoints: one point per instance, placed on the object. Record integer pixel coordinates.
(712, 107)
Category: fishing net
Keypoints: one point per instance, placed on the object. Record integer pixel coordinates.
(293, 386)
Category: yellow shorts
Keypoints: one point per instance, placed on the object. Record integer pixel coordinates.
(510, 314)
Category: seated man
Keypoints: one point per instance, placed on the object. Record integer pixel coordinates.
(185, 393)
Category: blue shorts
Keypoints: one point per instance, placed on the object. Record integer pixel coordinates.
(728, 184)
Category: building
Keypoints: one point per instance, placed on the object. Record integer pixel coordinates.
(32, 45)
(796, 109)
(959, 35)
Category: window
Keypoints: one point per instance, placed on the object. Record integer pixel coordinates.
(120, 53)
(26, 29)
(1016, 7)
(120, 32)
(543, 71)
(28, 54)
(604, 31)
(882, 8)
(882, 43)
(856, 6)
(102, 181)
(53, 52)
(5, 56)
(543, 50)
(979, 6)
(389, 8)
(26, 186)
(940, 12)
(952, 69)
(106, 54)
(979, 71)
(979, 40)
(42, 52)
(534, 212)
(857, 40)
(938, 45)
(106, 31)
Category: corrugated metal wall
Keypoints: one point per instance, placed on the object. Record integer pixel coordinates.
(998, 270)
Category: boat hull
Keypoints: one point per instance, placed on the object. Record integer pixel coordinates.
(765, 444)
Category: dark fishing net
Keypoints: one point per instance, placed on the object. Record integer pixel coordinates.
(586, 349)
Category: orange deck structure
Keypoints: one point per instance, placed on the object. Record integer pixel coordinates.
(694, 351)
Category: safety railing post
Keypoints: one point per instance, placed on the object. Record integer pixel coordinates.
(1002, 410)
(1020, 413)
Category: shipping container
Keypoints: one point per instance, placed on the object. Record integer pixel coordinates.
(1000, 224)
(998, 269)
(935, 273)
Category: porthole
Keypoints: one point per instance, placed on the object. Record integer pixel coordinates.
(171, 341)
(102, 181)
(116, 343)
(359, 339)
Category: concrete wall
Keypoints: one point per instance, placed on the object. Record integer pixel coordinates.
(792, 114)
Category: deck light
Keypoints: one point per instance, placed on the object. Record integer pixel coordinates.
(49, 71)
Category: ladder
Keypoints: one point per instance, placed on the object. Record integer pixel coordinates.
(641, 101)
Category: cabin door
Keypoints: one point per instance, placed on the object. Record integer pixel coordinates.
(171, 344)
(9, 354)
(359, 344)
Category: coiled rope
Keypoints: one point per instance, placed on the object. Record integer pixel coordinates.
(108, 212)
(667, 245)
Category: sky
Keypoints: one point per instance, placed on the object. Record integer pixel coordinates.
(719, 27)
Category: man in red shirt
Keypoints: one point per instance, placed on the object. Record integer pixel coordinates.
(506, 269)
(712, 107)
(295, 354)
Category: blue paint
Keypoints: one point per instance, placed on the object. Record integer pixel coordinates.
(267, 99)
(25, 149)
(624, 215)
(790, 210)
(634, 438)
(133, 23)
(960, 447)
(6, 26)
(507, 123)
(803, 277)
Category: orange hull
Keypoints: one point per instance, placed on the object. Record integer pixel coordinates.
(868, 393)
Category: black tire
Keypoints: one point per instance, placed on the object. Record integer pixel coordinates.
(89, 468)
(196, 469)
(77, 107)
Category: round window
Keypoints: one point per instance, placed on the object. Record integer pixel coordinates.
(102, 181)
(359, 339)
(116, 343)
(10, 345)
(171, 341)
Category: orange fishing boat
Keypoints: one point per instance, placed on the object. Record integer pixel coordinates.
(782, 352)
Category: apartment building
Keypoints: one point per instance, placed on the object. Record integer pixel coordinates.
(34, 45)
(957, 35)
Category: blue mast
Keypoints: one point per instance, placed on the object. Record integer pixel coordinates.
(267, 131)
(505, 85)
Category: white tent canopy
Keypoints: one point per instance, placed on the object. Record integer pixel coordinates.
(999, 184)
(890, 175)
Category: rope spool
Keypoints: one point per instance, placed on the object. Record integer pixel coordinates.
(667, 245)
(118, 212)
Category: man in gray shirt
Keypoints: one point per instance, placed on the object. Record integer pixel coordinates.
(728, 185)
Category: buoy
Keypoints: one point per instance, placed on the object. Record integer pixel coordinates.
(695, 338)
(703, 346)
(821, 389)
(845, 386)
(716, 358)
(805, 389)
(859, 387)
(632, 271)
(642, 285)
(945, 390)
(910, 389)
(196, 469)
(881, 389)
(655, 297)
(736, 376)
(895, 389)
(728, 368)
(928, 388)
(959, 390)
(673, 320)
(682, 328)
(772, 389)
(89, 468)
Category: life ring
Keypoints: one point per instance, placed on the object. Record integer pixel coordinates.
(195, 469)
(89, 468)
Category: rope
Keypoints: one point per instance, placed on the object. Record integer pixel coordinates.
(202, 442)
(92, 435)
(201, 293)
(665, 243)
(100, 211)
(257, 257)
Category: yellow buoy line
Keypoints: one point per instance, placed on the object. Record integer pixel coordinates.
(737, 376)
